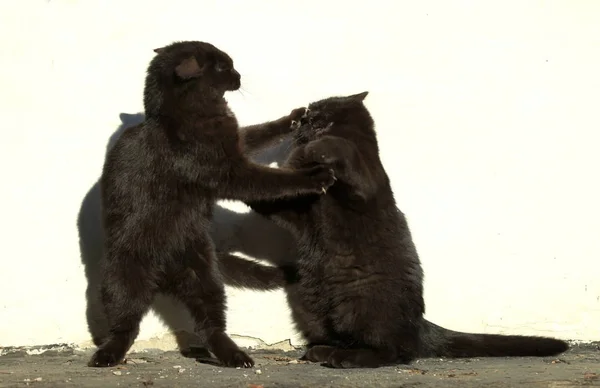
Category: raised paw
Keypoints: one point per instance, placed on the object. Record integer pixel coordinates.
(322, 177)
(298, 114)
(104, 358)
(295, 117)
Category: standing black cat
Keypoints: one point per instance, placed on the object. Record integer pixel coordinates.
(356, 288)
(159, 184)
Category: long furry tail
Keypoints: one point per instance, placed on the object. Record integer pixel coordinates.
(242, 273)
(439, 342)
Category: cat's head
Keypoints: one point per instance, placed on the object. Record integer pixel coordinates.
(191, 66)
(343, 116)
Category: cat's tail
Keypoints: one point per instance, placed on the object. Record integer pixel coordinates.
(439, 342)
(241, 273)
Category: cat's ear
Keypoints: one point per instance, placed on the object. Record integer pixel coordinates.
(188, 68)
(359, 97)
(159, 50)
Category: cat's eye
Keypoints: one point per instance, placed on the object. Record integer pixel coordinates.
(220, 66)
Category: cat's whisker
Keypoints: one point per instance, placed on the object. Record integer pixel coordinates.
(289, 146)
(244, 90)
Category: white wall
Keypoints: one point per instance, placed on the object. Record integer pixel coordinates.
(487, 114)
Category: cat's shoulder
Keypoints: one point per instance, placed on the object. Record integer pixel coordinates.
(136, 130)
(132, 141)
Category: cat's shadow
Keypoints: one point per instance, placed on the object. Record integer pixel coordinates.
(232, 232)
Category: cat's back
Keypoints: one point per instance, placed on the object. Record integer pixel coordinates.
(137, 182)
(130, 161)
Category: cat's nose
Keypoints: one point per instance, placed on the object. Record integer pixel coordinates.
(237, 79)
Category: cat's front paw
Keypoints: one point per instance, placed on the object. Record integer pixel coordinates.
(321, 177)
(296, 116)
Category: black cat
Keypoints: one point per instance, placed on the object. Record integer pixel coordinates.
(159, 185)
(356, 288)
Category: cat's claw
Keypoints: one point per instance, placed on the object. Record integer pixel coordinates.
(238, 359)
(324, 190)
(104, 358)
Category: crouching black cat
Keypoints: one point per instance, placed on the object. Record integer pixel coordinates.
(356, 286)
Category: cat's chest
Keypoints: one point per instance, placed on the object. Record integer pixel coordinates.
(320, 265)
(336, 231)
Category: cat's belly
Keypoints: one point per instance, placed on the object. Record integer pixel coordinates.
(159, 228)
(309, 311)
(331, 302)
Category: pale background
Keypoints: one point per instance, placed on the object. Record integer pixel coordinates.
(487, 115)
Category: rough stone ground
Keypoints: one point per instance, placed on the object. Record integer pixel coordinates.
(578, 367)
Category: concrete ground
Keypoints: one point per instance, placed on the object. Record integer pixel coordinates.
(578, 367)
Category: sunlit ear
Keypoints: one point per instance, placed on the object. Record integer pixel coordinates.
(359, 96)
(188, 68)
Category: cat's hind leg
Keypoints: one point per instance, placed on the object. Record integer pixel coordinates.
(200, 287)
(126, 296)
(318, 353)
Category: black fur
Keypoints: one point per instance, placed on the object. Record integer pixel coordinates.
(356, 291)
(241, 273)
(159, 185)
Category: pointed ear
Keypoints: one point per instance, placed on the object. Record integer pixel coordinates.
(188, 68)
(159, 50)
(359, 96)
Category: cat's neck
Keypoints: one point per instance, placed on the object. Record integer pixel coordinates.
(192, 107)
(198, 105)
